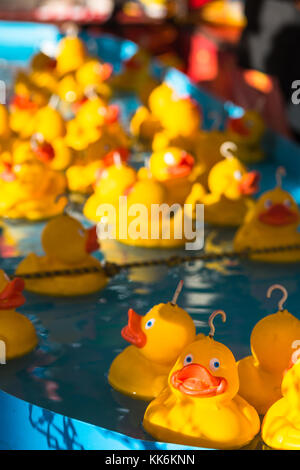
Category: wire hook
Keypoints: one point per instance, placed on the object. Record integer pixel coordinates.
(211, 319)
(283, 290)
(228, 149)
(177, 292)
(280, 172)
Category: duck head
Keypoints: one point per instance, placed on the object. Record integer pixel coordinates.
(205, 369)
(66, 240)
(161, 334)
(11, 295)
(231, 179)
(273, 337)
(276, 209)
(171, 163)
(115, 181)
(249, 128)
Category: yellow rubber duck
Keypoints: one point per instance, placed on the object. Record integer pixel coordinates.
(71, 54)
(22, 116)
(272, 222)
(115, 181)
(201, 406)
(82, 177)
(67, 245)
(69, 90)
(49, 123)
(174, 168)
(93, 73)
(16, 331)
(142, 369)
(230, 187)
(29, 190)
(281, 425)
(42, 72)
(175, 118)
(247, 133)
(57, 155)
(271, 346)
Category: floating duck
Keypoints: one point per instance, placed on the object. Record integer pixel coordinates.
(271, 345)
(82, 177)
(71, 53)
(67, 245)
(157, 339)
(230, 187)
(29, 191)
(272, 222)
(247, 133)
(114, 182)
(281, 425)
(201, 406)
(16, 330)
(174, 168)
(173, 116)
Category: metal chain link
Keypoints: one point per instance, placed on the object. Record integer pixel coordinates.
(112, 269)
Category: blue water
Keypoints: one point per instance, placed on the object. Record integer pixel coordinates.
(78, 340)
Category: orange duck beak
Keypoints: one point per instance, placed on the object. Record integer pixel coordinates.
(92, 243)
(11, 297)
(196, 381)
(183, 168)
(44, 152)
(278, 215)
(133, 332)
(109, 158)
(249, 183)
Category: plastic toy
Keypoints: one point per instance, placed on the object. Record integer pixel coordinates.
(247, 133)
(29, 191)
(174, 168)
(272, 222)
(281, 428)
(67, 245)
(71, 54)
(271, 346)
(201, 406)
(230, 187)
(157, 339)
(16, 330)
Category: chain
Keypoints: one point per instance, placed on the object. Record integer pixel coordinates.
(112, 269)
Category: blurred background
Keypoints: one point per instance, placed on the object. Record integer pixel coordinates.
(240, 50)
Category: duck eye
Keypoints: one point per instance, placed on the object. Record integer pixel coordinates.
(214, 364)
(81, 232)
(287, 203)
(237, 175)
(268, 203)
(150, 323)
(188, 359)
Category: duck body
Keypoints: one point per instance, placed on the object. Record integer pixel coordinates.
(271, 222)
(200, 406)
(16, 330)
(261, 373)
(142, 369)
(281, 425)
(67, 246)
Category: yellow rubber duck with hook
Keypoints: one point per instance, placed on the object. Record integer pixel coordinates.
(281, 425)
(157, 339)
(201, 406)
(230, 187)
(67, 245)
(16, 331)
(271, 346)
(272, 222)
